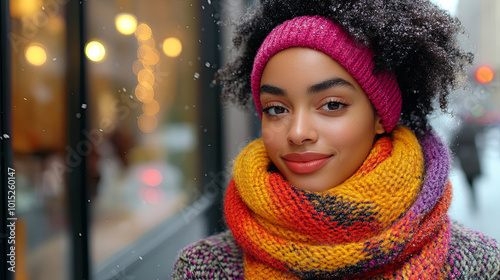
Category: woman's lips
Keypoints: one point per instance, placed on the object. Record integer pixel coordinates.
(303, 163)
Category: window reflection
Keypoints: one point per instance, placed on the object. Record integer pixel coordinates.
(144, 107)
(39, 138)
(143, 69)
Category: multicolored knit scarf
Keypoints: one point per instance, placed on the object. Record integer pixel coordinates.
(387, 221)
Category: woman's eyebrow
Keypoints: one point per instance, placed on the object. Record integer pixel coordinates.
(328, 84)
(272, 90)
(334, 82)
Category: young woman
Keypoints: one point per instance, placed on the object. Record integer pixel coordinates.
(348, 181)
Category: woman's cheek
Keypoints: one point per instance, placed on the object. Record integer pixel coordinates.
(268, 136)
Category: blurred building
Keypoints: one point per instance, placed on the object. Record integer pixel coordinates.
(482, 22)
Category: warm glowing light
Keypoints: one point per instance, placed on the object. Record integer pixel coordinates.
(172, 47)
(35, 54)
(137, 66)
(484, 74)
(152, 195)
(147, 124)
(125, 23)
(146, 76)
(143, 32)
(152, 177)
(149, 42)
(148, 55)
(144, 92)
(20, 8)
(95, 51)
(151, 108)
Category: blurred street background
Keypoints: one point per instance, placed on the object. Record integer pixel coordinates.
(473, 130)
(480, 211)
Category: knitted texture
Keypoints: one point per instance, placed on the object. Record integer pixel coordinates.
(384, 222)
(322, 34)
(472, 256)
(213, 258)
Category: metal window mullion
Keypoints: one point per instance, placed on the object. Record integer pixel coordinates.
(6, 157)
(78, 146)
(211, 120)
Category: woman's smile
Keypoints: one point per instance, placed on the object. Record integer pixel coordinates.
(307, 162)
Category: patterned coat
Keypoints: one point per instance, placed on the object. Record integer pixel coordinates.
(471, 256)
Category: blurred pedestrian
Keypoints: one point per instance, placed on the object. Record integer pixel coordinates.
(464, 148)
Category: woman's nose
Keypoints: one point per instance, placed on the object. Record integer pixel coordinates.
(302, 129)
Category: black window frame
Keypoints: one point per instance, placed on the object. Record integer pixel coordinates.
(5, 129)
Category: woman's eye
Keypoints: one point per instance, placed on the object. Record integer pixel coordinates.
(333, 106)
(274, 110)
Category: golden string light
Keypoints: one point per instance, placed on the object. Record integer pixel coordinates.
(172, 47)
(35, 54)
(95, 51)
(144, 92)
(125, 23)
(143, 32)
(147, 57)
(151, 108)
(147, 124)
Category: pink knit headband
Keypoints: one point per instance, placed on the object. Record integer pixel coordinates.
(322, 34)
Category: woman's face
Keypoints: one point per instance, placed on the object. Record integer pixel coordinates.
(318, 125)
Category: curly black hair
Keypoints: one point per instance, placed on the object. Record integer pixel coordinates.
(414, 39)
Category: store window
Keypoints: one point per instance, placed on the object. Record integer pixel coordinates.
(143, 83)
(149, 127)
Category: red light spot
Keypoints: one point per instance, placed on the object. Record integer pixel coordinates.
(152, 195)
(484, 74)
(152, 177)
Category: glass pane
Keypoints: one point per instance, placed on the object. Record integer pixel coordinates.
(39, 138)
(144, 71)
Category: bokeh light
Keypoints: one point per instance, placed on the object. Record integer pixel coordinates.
(147, 124)
(149, 42)
(484, 74)
(152, 177)
(143, 32)
(144, 92)
(172, 47)
(151, 108)
(144, 68)
(125, 23)
(152, 195)
(146, 76)
(35, 54)
(137, 66)
(477, 110)
(148, 55)
(95, 51)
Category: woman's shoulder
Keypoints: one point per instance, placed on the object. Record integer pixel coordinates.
(216, 257)
(473, 255)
